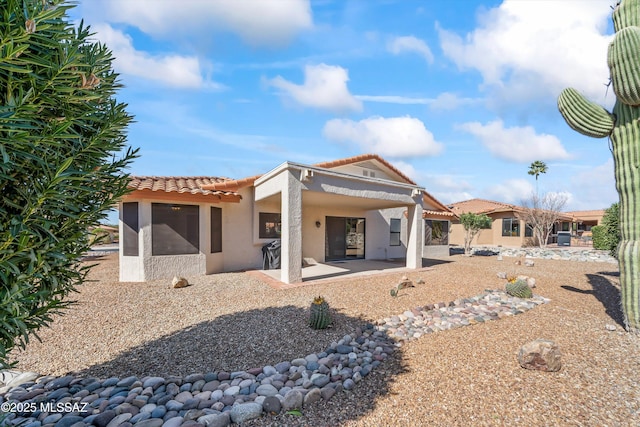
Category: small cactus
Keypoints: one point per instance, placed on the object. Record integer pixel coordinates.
(320, 318)
(518, 288)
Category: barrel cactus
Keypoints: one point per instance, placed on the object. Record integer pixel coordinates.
(518, 288)
(320, 318)
(622, 127)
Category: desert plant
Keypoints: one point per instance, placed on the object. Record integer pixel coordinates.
(623, 129)
(63, 150)
(472, 224)
(319, 317)
(518, 288)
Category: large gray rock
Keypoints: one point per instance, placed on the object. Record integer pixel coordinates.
(540, 355)
(245, 412)
(266, 390)
(215, 420)
(314, 395)
(292, 400)
(272, 405)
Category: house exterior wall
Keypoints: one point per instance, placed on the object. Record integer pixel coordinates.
(492, 236)
(146, 266)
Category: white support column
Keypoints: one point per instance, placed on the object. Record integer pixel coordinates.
(415, 235)
(291, 238)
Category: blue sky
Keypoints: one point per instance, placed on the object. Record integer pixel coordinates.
(459, 94)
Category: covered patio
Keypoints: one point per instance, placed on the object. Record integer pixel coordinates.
(310, 197)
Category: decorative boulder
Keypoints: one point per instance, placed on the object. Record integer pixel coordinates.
(502, 275)
(529, 263)
(540, 355)
(179, 282)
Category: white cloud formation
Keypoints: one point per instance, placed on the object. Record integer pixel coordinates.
(394, 137)
(324, 87)
(171, 70)
(518, 144)
(443, 102)
(410, 44)
(596, 187)
(531, 50)
(512, 191)
(259, 23)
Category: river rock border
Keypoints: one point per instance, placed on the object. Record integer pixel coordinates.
(556, 253)
(221, 398)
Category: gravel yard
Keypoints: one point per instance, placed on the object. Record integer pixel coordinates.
(470, 375)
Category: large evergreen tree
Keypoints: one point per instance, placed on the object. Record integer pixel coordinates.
(63, 153)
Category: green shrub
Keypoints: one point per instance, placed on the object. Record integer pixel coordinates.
(598, 235)
(607, 235)
(63, 150)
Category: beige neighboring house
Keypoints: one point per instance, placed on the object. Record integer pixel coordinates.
(356, 208)
(507, 229)
(584, 220)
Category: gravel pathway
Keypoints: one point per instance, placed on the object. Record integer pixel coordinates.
(232, 323)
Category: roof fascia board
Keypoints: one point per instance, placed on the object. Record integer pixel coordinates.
(300, 167)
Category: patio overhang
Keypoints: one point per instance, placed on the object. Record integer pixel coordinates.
(296, 186)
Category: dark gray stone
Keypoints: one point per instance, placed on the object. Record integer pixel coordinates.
(272, 405)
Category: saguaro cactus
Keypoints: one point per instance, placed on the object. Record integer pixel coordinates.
(623, 129)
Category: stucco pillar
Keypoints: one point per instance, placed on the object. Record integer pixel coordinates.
(291, 237)
(415, 236)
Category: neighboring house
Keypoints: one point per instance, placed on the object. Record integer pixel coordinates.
(584, 220)
(507, 227)
(356, 208)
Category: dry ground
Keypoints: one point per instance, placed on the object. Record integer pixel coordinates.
(468, 376)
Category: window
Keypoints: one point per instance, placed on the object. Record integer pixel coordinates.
(436, 232)
(394, 232)
(216, 230)
(511, 227)
(175, 229)
(528, 231)
(270, 225)
(130, 229)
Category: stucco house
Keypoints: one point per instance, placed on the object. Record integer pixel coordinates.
(356, 208)
(507, 228)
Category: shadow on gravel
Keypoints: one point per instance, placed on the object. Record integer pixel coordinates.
(252, 339)
(605, 292)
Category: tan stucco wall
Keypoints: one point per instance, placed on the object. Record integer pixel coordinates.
(491, 236)
(145, 266)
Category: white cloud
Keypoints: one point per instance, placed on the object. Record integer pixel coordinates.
(519, 144)
(259, 23)
(170, 70)
(531, 50)
(444, 101)
(324, 87)
(395, 137)
(512, 191)
(595, 187)
(410, 44)
(448, 101)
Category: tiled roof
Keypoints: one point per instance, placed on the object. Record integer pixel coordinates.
(481, 206)
(179, 184)
(232, 184)
(362, 158)
(596, 213)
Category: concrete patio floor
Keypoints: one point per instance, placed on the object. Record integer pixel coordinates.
(339, 269)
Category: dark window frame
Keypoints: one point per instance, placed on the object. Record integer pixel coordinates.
(216, 230)
(175, 229)
(130, 229)
(528, 230)
(395, 230)
(512, 229)
(269, 225)
(441, 237)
